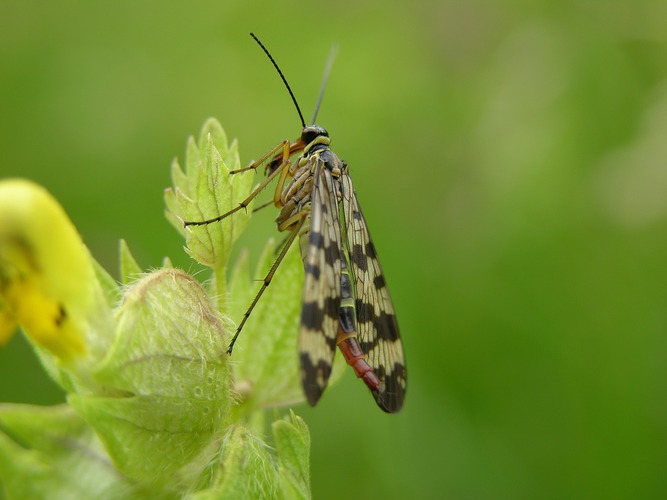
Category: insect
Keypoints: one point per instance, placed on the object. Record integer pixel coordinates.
(345, 298)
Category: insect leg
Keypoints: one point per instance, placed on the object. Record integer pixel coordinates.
(263, 205)
(282, 169)
(284, 145)
(267, 279)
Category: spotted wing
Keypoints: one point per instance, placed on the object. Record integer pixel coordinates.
(321, 290)
(376, 321)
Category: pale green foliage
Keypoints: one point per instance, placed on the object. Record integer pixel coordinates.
(293, 445)
(52, 453)
(176, 375)
(205, 190)
(129, 268)
(160, 412)
(250, 469)
(110, 288)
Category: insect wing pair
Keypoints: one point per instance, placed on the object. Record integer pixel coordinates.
(346, 302)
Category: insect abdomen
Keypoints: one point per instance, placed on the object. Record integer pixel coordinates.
(347, 331)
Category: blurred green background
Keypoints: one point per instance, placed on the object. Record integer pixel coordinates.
(511, 160)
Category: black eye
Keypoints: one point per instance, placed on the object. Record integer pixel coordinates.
(311, 133)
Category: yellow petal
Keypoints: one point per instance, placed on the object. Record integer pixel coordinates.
(46, 277)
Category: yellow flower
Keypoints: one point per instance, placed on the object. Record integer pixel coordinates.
(46, 276)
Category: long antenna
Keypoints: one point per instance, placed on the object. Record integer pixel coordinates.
(327, 70)
(275, 65)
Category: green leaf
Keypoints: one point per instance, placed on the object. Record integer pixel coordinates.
(293, 444)
(109, 286)
(166, 378)
(247, 469)
(206, 190)
(153, 438)
(51, 453)
(130, 270)
(266, 354)
(167, 327)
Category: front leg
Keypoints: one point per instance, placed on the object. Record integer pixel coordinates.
(282, 169)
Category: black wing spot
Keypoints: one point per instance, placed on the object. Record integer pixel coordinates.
(384, 325)
(365, 311)
(359, 257)
(314, 270)
(378, 282)
(391, 397)
(316, 239)
(370, 250)
(311, 375)
(312, 316)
